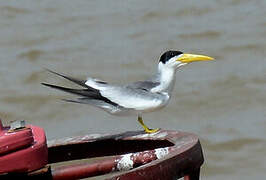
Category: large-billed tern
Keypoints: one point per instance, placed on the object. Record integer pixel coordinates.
(135, 98)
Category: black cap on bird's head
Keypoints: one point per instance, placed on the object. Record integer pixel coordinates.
(168, 55)
(177, 58)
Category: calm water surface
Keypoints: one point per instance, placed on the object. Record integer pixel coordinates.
(223, 101)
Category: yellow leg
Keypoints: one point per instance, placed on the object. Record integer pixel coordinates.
(146, 129)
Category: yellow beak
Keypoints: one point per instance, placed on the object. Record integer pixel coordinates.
(188, 58)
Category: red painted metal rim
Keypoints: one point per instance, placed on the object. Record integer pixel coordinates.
(27, 158)
(182, 154)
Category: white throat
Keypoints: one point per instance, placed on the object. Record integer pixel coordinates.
(166, 77)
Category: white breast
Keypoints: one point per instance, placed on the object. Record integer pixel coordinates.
(134, 100)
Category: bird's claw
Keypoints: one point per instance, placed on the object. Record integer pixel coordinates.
(150, 131)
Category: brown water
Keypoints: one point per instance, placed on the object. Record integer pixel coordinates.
(223, 101)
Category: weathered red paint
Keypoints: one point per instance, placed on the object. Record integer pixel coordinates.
(184, 158)
(102, 167)
(79, 171)
(134, 155)
(14, 141)
(23, 150)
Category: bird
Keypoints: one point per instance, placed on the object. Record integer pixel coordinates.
(135, 98)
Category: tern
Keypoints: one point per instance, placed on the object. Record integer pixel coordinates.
(134, 98)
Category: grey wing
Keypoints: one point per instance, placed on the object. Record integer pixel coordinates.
(144, 85)
(90, 95)
(134, 98)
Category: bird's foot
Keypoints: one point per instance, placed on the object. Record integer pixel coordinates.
(150, 131)
(146, 129)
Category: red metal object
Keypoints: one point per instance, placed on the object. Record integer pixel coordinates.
(23, 149)
(163, 155)
(134, 155)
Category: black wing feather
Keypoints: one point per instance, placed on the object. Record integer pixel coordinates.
(75, 80)
(88, 93)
